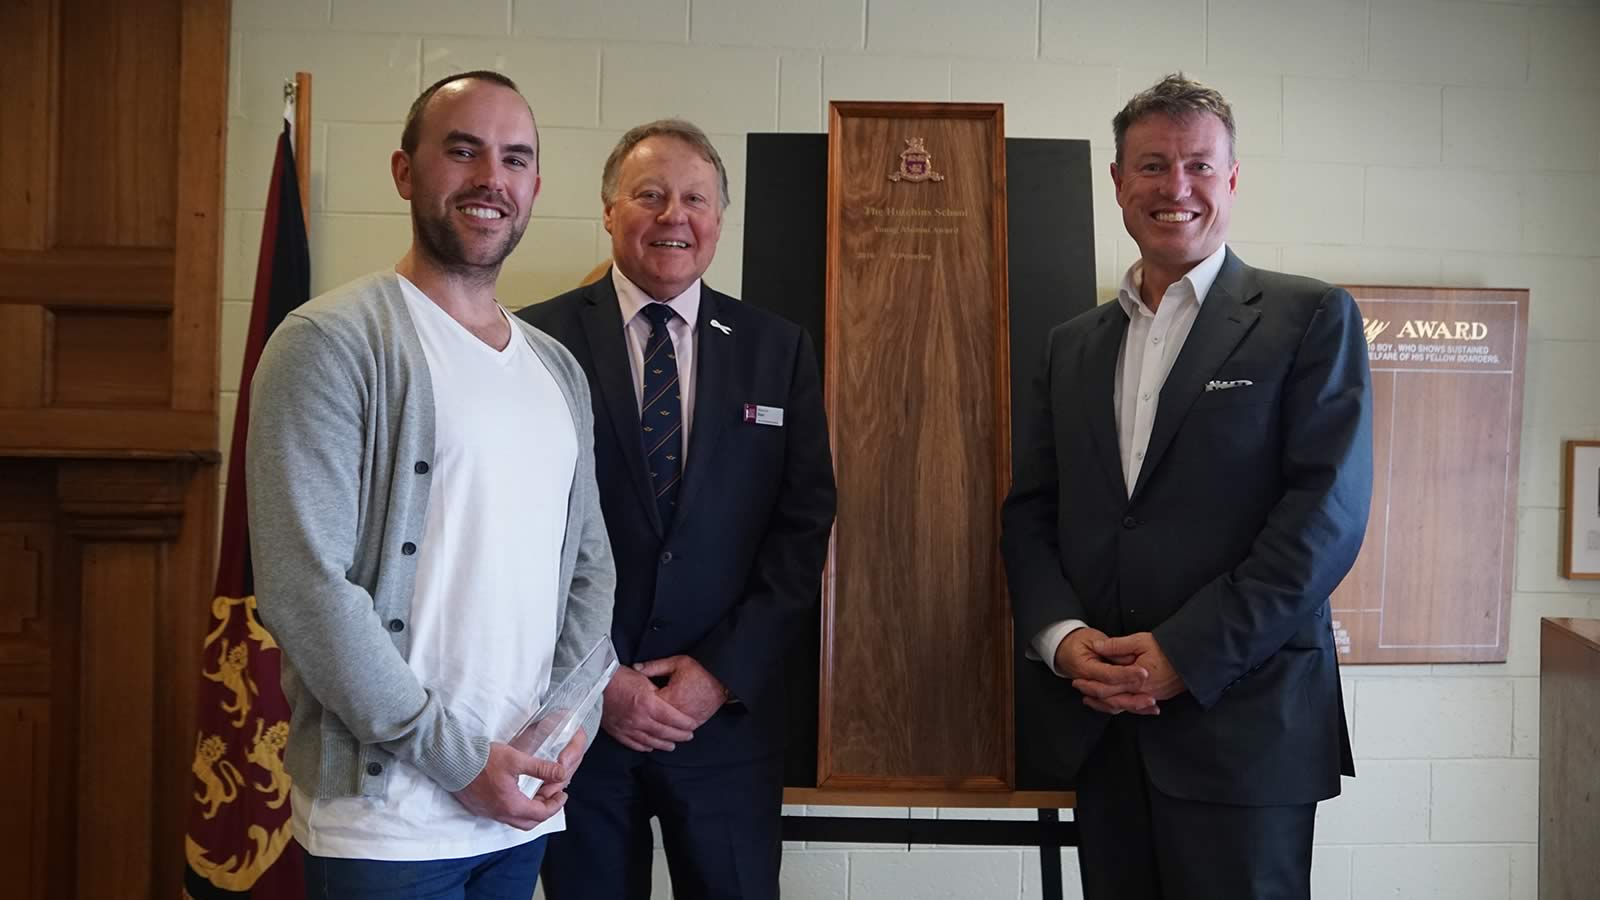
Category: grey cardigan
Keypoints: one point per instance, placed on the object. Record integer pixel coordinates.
(341, 437)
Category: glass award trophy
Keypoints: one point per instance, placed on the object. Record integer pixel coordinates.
(557, 720)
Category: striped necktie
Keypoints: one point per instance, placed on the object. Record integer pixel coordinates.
(661, 415)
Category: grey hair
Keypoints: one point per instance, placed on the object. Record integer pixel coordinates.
(1176, 96)
(682, 130)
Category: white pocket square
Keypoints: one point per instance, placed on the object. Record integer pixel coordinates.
(1227, 385)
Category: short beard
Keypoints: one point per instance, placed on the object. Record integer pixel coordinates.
(444, 248)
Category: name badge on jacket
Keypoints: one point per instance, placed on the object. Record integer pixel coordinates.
(763, 415)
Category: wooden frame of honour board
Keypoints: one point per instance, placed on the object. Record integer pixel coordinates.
(918, 393)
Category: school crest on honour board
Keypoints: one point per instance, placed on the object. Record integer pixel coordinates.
(916, 163)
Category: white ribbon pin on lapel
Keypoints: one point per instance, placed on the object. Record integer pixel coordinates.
(721, 327)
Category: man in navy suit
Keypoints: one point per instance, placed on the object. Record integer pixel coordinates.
(1195, 484)
(716, 481)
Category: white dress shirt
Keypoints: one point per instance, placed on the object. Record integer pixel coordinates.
(680, 329)
(1149, 348)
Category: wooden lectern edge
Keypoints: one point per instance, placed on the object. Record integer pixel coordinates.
(1585, 631)
(954, 799)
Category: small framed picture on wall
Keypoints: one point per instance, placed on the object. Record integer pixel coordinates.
(1580, 555)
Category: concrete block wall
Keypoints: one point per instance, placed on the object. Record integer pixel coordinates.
(1382, 141)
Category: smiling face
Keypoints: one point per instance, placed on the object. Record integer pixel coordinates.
(472, 179)
(1176, 182)
(665, 217)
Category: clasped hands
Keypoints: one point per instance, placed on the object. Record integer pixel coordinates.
(1118, 675)
(638, 714)
(643, 717)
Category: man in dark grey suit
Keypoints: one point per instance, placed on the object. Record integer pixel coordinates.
(711, 448)
(1194, 484)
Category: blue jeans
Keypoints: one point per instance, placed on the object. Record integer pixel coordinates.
(504, 875)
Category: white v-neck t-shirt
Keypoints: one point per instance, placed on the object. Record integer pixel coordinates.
(483, 617)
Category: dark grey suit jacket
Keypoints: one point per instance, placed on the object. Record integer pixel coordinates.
(1249, 509)
(736, 574)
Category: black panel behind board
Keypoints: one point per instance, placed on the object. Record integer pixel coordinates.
(1050, 232)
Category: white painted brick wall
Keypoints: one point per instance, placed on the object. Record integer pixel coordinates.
(719, 89)
(1563, 48)
(553, 256)
(1123, 33)
(1383, 141)
(1322, 38)
(823, 24)
(1510, 129)
(727, 269)
(1434, 718)
(884, 78)
(1444, 210)
(1525, 718)
(1485, 801)
(251, 145)
(815, 874)
(1355, 264)
(611, 20)
(1042, 100)
(1524, 871)
(1450, 42)
(358, 176)
(1272, 205)
(571, 160)
(1008, 29)
(1386, 803)
(961, 874)
(357, 77)
(1558, 391)
(489, 17)
(302, 14)
(800, 93)
(1431, 872)
(345, 247)
(1561, 213)
(1377, 122)
(241, 241)
(560, 79)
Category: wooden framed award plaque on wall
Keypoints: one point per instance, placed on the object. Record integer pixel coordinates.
(1434, 579)
(916, 631)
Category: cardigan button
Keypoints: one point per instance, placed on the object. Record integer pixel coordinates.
(408, 548)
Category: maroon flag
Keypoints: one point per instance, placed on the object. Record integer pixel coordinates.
(239, 842)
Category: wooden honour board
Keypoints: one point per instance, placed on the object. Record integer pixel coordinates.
(917, 377)
(1434, 579)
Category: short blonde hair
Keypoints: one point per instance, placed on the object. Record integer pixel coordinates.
(1176, 96)
(681, 129)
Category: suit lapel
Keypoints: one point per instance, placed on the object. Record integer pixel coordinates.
(713, 360)
(1225, 318)
(602, 325)
(1099, 380)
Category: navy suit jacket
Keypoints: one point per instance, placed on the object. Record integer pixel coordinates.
(1248, 511)
(737, 573)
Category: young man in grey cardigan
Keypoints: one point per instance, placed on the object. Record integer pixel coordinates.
(426, 531)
